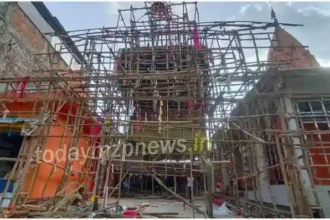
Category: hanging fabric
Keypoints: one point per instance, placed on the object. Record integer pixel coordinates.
(196, 38)
(190, 105)
(22, 82)
(118, 65)
(95, 129)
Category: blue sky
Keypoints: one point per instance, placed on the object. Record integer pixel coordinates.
(314, 15)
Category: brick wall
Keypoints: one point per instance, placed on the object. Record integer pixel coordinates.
(19, 41)
(26, 29)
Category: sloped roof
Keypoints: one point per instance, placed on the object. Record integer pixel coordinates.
(57, 27)
(288, 51)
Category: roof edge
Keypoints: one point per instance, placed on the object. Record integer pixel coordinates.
(58, 27)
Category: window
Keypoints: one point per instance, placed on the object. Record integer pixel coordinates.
(303, 108)
(314, 116)
(274, 174)
(317, 107)
(323, 126)
(326, 104)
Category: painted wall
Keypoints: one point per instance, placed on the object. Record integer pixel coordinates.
(52, 170)
(316, 83)
(279, 193)
(53, 175)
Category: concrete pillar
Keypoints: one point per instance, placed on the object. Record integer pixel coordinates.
(263, 178)
(292, 126)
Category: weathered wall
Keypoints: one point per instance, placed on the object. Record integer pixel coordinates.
(36, 18)
(314, 83)
(19, 41)
(44, 27)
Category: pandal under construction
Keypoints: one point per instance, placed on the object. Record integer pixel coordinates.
(162, 97)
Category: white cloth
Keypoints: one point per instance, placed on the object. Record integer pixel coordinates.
(190, 181)
(222, 210)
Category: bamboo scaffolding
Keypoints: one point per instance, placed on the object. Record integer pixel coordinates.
(148, 81)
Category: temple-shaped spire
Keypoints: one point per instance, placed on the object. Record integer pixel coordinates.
(287, 52)
(273, 17)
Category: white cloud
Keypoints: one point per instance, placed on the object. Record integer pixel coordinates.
(177, 9)
(315, 19)
(259, 7)
(113, 8)
(269, 5)
(310, 11)
(244, 8)
(324, 62)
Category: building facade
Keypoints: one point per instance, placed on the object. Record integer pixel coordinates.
(277, 138)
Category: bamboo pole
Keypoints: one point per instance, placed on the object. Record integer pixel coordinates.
(163, 162)
(101, 85)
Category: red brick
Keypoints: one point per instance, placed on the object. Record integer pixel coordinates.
(22, 24)
(28, 31)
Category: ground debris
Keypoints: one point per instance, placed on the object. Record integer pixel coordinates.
(160, 214)
(178, 196)
(58, 207)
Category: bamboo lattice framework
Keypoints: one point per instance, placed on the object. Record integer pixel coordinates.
(160, 74)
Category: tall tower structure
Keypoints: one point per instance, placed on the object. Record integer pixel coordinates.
(166, 65)
(288, 51)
